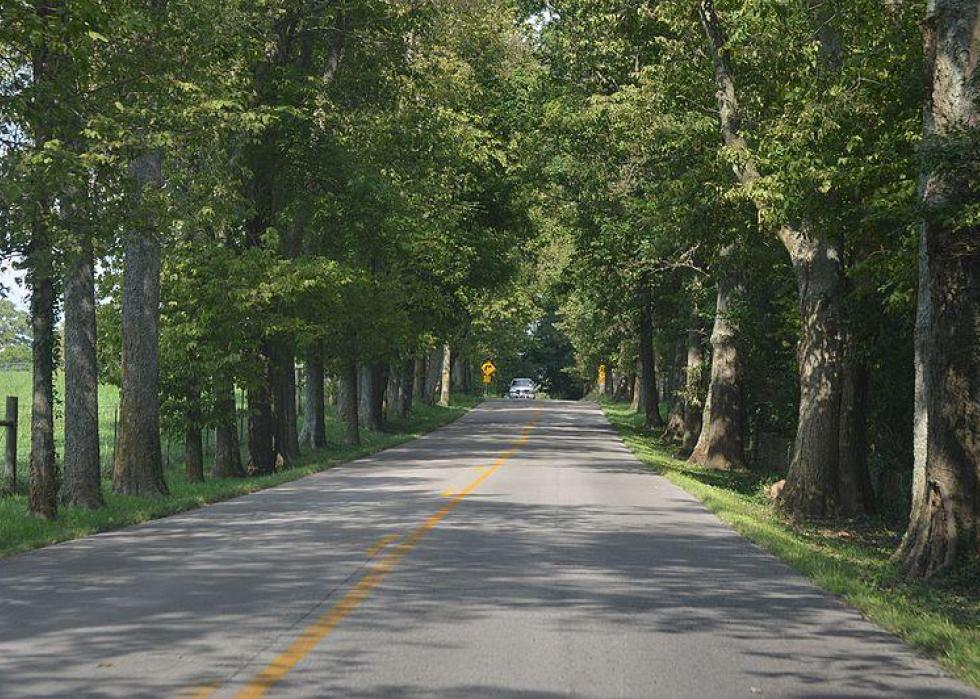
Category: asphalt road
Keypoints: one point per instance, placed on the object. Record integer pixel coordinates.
(520, 552)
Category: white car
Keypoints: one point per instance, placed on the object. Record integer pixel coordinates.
(522, 388)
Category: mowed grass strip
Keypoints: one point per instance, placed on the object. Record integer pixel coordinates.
(19, 531)
(940, 617)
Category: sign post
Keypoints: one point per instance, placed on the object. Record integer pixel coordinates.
(488, 370)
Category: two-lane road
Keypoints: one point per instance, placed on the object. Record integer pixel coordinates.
(520, 552)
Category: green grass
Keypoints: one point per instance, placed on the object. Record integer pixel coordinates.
(20, 531)
(940, 617)
(17, 382)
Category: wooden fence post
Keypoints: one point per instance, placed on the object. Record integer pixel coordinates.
(10, 459)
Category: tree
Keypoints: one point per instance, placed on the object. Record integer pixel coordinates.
(720, 443)
(945, 523)
(138, 468)
(82, 465)
(800, 195)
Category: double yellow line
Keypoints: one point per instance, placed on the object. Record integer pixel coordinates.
(323, 625)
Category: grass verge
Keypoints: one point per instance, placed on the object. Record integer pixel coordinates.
(19, 531)
(940, 617)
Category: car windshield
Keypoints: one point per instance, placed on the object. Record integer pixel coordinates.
(522, 383)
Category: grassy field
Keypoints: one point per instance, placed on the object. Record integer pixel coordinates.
(20, 531)
(14, 382)
(851, 560)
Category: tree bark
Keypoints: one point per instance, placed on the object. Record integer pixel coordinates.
(47, 66)
(193, 454)
(364, 378)
(227, 452)
(418, 379)
(675, 391)
(261, 429)
(82, 484)
(380, 388)
(446, 380)
(720, 443)
(138, 469)
(692, 384)
(314, 432)
(371, 391)
(433, 373)
(637, 401)
(945, 523)
(349, 404)
(812, 482)
(856, 496)
(43, 498)
(459, 373)
(650, 397)
(624, 386)
(405, 392)
(393, 391)
(923, 351)
(282, 381)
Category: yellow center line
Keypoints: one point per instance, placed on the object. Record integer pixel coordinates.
(380, 544)
(202, 692)
(318, 630)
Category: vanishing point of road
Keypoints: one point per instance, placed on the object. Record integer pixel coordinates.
(519, 552)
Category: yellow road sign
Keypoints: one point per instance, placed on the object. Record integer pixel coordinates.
(487, 378)
(602, 374)
(488, 369)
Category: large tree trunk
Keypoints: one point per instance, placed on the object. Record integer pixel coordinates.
(720, 444)
(193, 437)
(945, 523)
(193, 453)
(138, 469)
(282, 380)
(812, 481)
(433, 373)
(856, 496)
(348, 402)
(381, 370)
(674, 393)
(459, 373)
(261, 429)
(392, 391)
(314, 432)
(624, 386)
(371, 391)
(418, 379)
(920, 427)
(227, 452)
(446, 379)
(43, 499)
(637, 390)
(692, 384)
(648, 371)
(82, 484)
(364, 378)
(405, 389)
